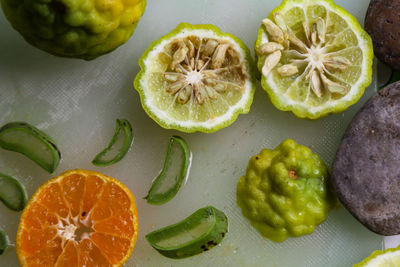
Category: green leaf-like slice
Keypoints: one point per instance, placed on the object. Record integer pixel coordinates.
(118, 146)
(30, 141)
(197, 233)
(175, 170)
(12, 193)
(3, 242)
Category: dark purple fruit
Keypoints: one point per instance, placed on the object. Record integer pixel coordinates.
(382, 22)
(366, 170)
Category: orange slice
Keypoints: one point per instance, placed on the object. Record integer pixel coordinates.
(80, 218)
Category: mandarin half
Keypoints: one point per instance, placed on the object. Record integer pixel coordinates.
(80, 218)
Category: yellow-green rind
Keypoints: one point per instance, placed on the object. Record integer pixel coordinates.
(74, 28)
(303, 112)
(279, 205)
(374, 255)
(184, 26)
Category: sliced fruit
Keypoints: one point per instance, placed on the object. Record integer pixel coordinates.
(382, 258)
(314, 57)
(118, 146)
(196, 78)
(12, 193)
(197, 233)
(30, 141)
(80, 218)
(3, 242)
(175, 171)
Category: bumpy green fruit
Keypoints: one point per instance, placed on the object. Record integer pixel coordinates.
(286, 191)
(75, 28)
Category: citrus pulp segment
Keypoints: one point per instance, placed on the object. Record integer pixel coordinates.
(196, 78)
(80, 218)
(314, 57)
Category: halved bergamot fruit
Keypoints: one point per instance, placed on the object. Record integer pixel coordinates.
(314, 57)
(382, 258)
(196, 78)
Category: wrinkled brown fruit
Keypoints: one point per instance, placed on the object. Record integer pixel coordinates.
(382, 22)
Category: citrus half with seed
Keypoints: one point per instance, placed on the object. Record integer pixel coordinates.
(382, 258)
(314, 57)
(196, 78)
(80, 218)
(74, 28)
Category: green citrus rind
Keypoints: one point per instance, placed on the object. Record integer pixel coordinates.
(245, 108)
(74, 28)
(303, 111)
(376, 254)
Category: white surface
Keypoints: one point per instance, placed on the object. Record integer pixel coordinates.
(77, 102)
(392, 241)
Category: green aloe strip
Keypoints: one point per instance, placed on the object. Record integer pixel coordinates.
(197, 233)
(28, 140)
(175, 170)
(3, 242)
(118, 146)
(12, 193)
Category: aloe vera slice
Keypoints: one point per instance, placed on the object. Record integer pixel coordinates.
(12, 193)
(118, 146)
(174, 172)
(3, 242)
(28, 140)
(197, 233)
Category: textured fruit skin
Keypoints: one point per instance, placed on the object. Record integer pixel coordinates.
(375, 254)
(382, 23)
(80, 29)
(365, 172)
(301, 111)
(188, 27)
(286, 191)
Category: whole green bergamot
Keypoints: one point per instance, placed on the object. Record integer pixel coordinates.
(74, 28)
(286, 191)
